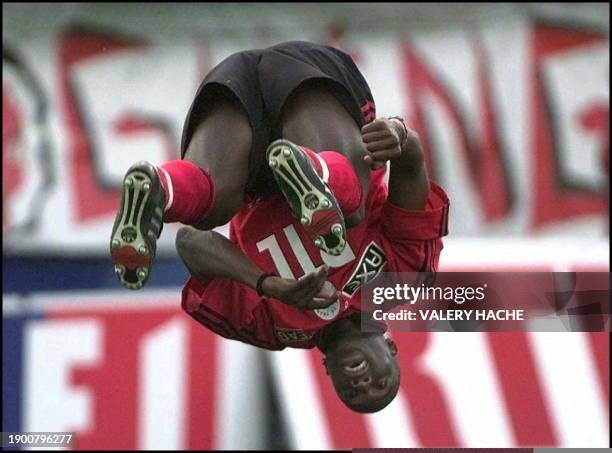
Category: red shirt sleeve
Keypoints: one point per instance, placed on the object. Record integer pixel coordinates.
(412, 240)
(399, 224)
(230, 310)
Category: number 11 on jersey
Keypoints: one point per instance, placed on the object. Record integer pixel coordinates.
(299, 251)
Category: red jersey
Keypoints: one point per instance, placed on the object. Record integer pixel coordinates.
(389, 239)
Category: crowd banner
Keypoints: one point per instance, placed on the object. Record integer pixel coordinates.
(513, 118)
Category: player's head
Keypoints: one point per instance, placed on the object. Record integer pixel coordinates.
(363, 366)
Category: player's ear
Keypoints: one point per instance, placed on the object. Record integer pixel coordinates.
(392, 346)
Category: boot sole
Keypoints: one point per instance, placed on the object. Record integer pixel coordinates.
(130, 252)
(309, 197)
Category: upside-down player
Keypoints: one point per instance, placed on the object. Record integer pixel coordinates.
(401, 232)
(311, 95)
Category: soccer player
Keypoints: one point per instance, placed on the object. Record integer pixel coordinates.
(309, 94)
(314, 96)
(235, 289)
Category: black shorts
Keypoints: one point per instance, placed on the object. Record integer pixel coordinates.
(263, 79)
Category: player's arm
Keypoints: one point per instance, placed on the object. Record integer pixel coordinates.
(209, 255)
(415, 217)
(389, 140)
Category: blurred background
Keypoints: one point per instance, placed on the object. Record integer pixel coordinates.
(512, 104)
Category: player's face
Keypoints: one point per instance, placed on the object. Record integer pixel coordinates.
(364, 371)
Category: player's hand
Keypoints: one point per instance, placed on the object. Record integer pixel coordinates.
(310, 292)
(383, 142)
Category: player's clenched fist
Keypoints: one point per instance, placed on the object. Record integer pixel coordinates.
(388, 139)
(310, 292)
(383, 142)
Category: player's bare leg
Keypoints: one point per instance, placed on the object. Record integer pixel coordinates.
(314, 118)
(221, 145)
(204, 190)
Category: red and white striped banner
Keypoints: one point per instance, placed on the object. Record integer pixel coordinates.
(513, 119)
(131, 372)
(461, 390)
(494, 390)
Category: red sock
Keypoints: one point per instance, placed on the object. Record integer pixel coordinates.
(338, 173)
(189, 191)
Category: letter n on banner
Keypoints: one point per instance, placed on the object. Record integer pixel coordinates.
(484, 156)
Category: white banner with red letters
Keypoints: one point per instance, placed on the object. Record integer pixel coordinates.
(135, 373)
(477, 390)
(470, 389)
(514, 117)
(127, 372)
